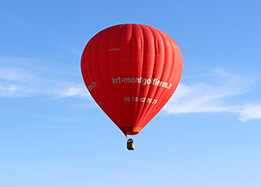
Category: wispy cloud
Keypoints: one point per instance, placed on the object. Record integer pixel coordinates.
(78, 91)
(248, 112)
(21, 77)
(210, 91)
(213, 91)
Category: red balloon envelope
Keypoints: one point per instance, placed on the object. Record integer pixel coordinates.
(131, 71)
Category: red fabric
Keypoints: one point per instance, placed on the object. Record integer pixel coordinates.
(131, 71)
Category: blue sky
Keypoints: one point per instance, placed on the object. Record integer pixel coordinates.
(53, 134)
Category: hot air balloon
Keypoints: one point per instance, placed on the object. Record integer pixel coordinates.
(131, 71)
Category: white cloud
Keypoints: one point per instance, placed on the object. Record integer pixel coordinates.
(212, 95)
(248, 112)
(9, 74)
(9, 90)
(21, 77)
(210, 91)
(77, 91)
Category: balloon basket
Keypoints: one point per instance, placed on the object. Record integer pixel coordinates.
(130, 144)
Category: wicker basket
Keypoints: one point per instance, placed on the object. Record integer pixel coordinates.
(130, 144)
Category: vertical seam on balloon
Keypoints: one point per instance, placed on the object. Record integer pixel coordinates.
(154, 108)
(174, 46)
(172, 65)
(142, 61)
(143, 113)
(117, 100)
(131, 86)
(140, 41)
(84, 65)
(100, 95)
(144, 104)
(122, 91)
(99, 61)
(126, 113)
(99, 66)
(140, 103)
(85, 69)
